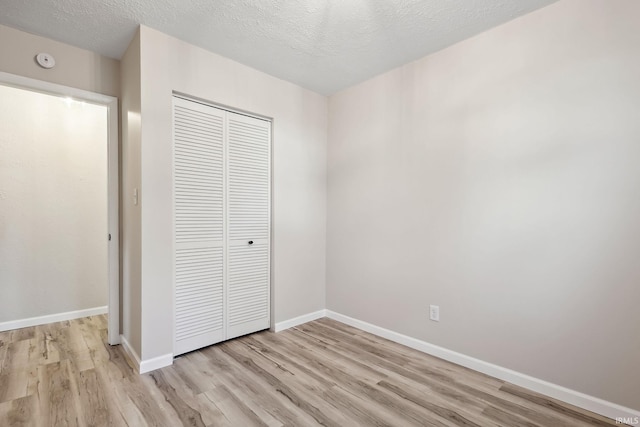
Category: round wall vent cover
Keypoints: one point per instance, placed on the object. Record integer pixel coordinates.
(45, 60)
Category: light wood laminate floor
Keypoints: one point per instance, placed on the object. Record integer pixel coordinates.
(320, 373)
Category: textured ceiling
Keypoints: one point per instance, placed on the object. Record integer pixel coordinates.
(323, 45)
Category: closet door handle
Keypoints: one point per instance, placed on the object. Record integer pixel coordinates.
(251, 242)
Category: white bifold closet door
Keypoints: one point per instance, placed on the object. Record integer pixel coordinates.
(248, 184)
(222, 189)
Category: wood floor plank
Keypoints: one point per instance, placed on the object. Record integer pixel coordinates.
(57, 339)
(42, 350)
(385, 350)
(576, 413)
(453, 416)
(395, 409)
(332, 361)
(123, 410)
(359, 341)
(333, 398)
(354, 410)
(210, 412)
(149, 401)
(14, 384)
(297, 405)
(119, 367)
(187, 415)
(383, 374)
(90, 332)
(240, 381)
(467, 385)
(234, 409)
(196, 372)
(5, 338)
(93, 402)
(56, 395)
(297, 381)
(22, 334)
(263, 413)
(16, 356)
(285, 363)
(20, 412)
(505, 418)
(320, 373)
(3, 352)
(437, 397)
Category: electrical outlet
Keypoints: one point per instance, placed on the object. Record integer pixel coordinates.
(434, 313)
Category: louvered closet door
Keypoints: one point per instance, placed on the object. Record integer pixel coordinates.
(249, 177)
(199, 225)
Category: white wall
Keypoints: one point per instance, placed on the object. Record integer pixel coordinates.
(131, 215)
(299, 177)
(499, 179)
(53, 209)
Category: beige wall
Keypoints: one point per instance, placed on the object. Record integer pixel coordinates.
(299, 176)
(130, 227)
(53, 205)
(75, 67)
(499, 179)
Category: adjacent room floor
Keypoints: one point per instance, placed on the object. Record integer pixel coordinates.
(320, 373)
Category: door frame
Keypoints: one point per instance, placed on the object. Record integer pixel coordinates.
(113, 192)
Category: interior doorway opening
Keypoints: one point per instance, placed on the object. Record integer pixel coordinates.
(59, 230)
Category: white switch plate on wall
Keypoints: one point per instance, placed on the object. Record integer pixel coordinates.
(434, 313)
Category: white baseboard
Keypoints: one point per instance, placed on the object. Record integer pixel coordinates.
(156, 363)
(52, 318)
(144, 366)
(286, 324)
(590, 403)
(130, 352)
